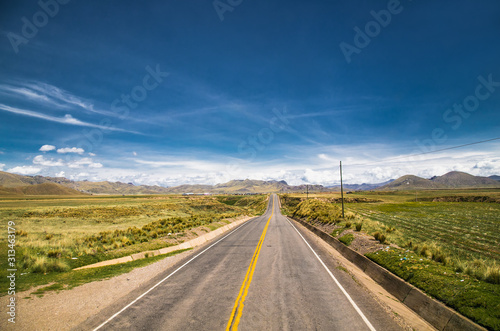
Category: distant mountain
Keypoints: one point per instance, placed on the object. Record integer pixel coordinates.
(461, 179)
(410, 182)
(111, 187)
(454, 179)
(495, 177)
(361, 187)
(34, 185)
(12, 184)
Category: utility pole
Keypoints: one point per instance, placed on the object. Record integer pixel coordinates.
(341, 189)
(307, 191)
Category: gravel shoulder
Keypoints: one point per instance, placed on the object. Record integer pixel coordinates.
(66, 309)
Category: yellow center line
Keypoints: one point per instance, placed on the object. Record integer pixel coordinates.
(238, 305)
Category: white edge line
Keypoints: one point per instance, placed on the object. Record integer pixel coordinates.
(164, 279)
(367, 322)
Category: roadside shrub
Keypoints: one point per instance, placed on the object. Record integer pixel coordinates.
(379, 237)
(390, 229)
(314, 209)
(347, 239)
(43, 265)
(54, 253)
(21, 233)
(492, 275)
(336, 232)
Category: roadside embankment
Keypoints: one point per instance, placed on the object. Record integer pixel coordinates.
(433, 311)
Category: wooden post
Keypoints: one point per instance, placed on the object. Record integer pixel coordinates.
(341, 189)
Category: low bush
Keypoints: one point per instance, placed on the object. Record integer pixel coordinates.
(379, 237)
(347, 239)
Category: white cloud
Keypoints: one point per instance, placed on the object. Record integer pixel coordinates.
(70, 150)
(2, 166)
(67, 119)
(25, 170)
(86, 161)
(40, 160)
(91, 154)
(60, 174)
(135, 153)
(47, 148)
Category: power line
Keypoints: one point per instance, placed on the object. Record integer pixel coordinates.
(424, 153)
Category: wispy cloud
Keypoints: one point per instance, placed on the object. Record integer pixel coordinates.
(67, 119)
(50, 95)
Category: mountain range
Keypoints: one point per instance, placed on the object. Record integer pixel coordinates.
(454, 179)
(12, 184)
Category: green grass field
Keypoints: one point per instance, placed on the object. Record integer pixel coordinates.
(451, 250)
(56, 234)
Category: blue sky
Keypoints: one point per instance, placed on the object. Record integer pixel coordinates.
(174, 92)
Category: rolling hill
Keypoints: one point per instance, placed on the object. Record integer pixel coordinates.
(497, 178)
(454, 179)
(12, 184)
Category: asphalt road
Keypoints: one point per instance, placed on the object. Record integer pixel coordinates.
(261, 276)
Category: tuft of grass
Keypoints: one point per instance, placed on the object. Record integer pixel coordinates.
(44, 265)
(379, 237)
(390, 229)
(337, 232)
(21, 233)
(359, 226)
(347, 239)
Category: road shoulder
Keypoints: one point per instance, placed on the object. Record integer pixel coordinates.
(403, 315)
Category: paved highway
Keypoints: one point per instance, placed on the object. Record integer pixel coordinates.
(264, 275)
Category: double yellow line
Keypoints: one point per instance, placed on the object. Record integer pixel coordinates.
(238, 305)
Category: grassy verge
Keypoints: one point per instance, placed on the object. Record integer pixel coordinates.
(71, 279)
(478, 300)
(54, 235)
(450, 248)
